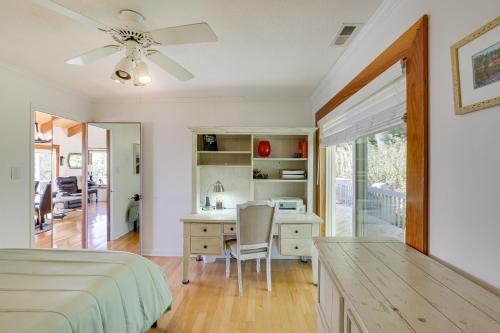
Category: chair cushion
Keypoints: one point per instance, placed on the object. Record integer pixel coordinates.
(231, 244)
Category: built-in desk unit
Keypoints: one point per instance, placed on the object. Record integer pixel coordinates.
(233, 164)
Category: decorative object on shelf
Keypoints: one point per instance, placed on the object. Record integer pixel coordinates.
(476, 69)
(258, 174)
(292, 174)
(302, 149)
(74, 160)
(210, 142)
(216, 187)
(264, 148)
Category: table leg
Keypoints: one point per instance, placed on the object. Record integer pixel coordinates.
(186, 253)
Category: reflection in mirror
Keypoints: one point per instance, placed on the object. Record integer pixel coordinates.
(75, 160)
(114, 186)
(58, 218)
(42, 173)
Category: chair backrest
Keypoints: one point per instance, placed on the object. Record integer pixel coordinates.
(46, 199)
(254, 225)
(67, 184)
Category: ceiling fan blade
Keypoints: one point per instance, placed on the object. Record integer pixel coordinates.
(169, 65)
(54, 6)
(185, 34)
(91, 56)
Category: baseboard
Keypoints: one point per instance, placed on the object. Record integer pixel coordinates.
(160, 253)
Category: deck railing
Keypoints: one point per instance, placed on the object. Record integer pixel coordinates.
(383, 204)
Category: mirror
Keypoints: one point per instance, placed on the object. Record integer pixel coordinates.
(75, 160)
(114, 169)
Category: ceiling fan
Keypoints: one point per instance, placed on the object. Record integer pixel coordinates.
(137, 41)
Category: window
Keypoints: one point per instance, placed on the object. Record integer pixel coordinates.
(367, 186)
(341, 195)
(380, 191)
(43, 165)
(98, 160)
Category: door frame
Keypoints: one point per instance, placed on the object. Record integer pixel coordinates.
(141, 177)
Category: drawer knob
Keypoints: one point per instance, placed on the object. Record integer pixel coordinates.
(232, 229)
(204, 229)
(204, 246)
(296, 231)
(296, 248)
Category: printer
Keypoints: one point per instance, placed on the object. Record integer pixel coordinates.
(289, 205)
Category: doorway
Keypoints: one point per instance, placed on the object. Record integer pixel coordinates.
(58, 221)
(114, 176)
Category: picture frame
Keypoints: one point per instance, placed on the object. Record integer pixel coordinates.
(475, 62)
(74, 160)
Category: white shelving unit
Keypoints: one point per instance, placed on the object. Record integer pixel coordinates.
(236, 158)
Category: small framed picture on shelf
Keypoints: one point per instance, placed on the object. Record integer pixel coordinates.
(476, 69)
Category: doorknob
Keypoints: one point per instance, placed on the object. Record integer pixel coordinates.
(136, 197)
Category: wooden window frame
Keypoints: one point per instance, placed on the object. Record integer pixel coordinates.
(411, 46)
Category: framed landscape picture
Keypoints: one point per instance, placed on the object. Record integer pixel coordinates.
(476, 69)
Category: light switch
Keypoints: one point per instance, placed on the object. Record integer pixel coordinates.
(15, 173)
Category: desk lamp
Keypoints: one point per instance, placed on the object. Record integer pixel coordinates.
(217, 187)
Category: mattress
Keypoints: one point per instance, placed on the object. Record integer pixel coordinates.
(59, 291)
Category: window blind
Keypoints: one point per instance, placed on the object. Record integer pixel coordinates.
(379, 106)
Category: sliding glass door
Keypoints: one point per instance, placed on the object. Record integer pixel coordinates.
(367, 186)
(380, 168)
(341, 196)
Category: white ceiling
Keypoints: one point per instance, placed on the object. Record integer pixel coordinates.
(265, 48)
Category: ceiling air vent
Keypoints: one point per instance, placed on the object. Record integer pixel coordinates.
(347, 31)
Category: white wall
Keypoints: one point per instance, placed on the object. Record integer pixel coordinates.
(67, 145)
(96, 137)
(18, 91)
(464, 158)
(167, 152)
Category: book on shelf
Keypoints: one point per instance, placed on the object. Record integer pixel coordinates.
(292, 174)
(293, 177)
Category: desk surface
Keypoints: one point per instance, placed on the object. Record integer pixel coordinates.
(229, 216)
(395, 288)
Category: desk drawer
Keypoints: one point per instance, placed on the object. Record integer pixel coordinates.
(295, 231)
(295, 247)
(230, 229)
(205, 229)
(206, 245)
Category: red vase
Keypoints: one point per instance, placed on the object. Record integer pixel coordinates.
(264, 148)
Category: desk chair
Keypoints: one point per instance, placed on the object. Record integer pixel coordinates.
(254, 231)
(44, 207)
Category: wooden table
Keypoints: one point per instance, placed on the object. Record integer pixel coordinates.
(204, 234)
(383, 285)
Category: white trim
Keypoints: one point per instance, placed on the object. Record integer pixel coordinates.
(161, 253)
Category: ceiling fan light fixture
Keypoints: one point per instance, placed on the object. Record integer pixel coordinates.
(141, 73)
(124, 68)
(117, 79)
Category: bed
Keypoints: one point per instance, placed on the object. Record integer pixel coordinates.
(61, 291)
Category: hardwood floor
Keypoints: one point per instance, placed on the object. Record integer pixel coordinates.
(68, 232)
(210, 302)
